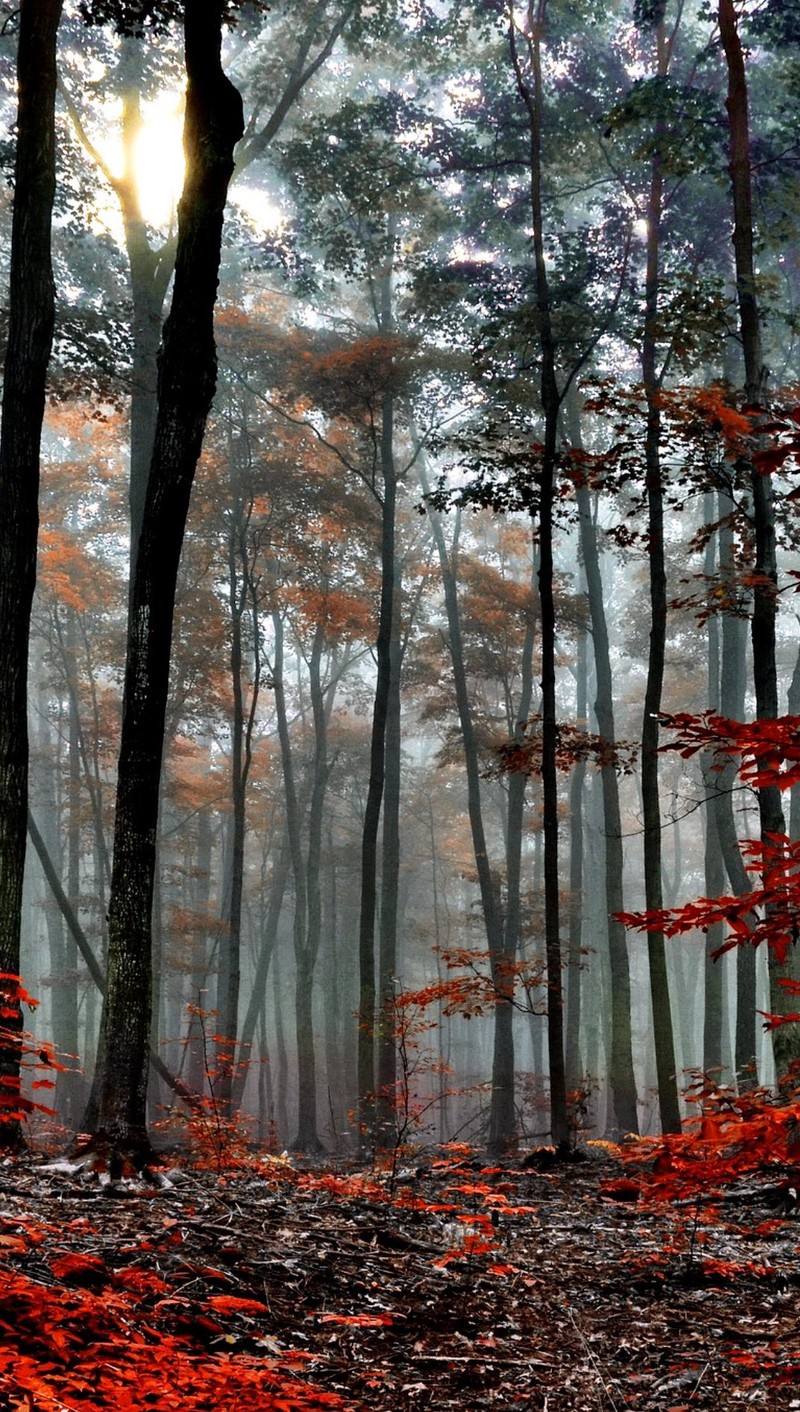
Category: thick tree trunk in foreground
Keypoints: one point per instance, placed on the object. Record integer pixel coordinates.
(31, 302)
(187, 377)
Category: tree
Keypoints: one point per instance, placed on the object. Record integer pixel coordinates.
(308, 39)
(187, 375)
(621, 1073)
(765, 574)
(654, 17)
(30, 333)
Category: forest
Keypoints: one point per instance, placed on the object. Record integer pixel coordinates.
(399, 704)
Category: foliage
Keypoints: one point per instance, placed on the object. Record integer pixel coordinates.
(768, 753)
(731, 1136)
(31, 1056)
(573, 744)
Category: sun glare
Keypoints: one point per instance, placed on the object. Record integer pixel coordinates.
(259, 206)
(158, 158)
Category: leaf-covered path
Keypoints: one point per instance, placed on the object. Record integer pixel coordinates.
(467, 1287)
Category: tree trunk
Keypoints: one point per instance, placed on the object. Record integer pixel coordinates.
(31, 303)
(307, 1138)
(572, 1047)
(533, 98)
(786, 1039)
(651, 806)
(502, 1133)
(377, 772)
(242, 599)
(187, 376)
(714, 866)
(151, 270)
(621, 1074)
(502, 1112)
(390, 880)
(267, 943)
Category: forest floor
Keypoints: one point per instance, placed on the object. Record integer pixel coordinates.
(564, 1288)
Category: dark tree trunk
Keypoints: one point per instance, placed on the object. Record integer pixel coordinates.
(305, 1049)
(714, 866)
(786, 1039)
(31, 301)
(621, 1074)
(243, 605)
(307, 1138)
(390, 881)
(533, 98)
(577, 784)
(502, 1112)
(186, 381)
(151, 270)
(651, 807)
(377, 776)
(732, 685)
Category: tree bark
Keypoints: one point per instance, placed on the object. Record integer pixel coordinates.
(622, 1079)
(502, 1110)
(651, 806)
(390, 881)
(387, 622)
(243, 605)
(503, 1115)
(577, 784)
(31, 310)
(786, 1039)
(186, 382)
(533, 98)
(713, 862)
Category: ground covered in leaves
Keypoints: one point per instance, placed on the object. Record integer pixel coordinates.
(458, 1284)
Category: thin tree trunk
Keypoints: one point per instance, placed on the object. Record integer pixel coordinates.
(786, 1038)
(307, 1138)
(390, 879)
(574, 1069)
(503, 1114)
(651, 806)
(377, 768)
(266, 950)
(714, 866)
(622, 1079)
(533, 98)
(243, 604)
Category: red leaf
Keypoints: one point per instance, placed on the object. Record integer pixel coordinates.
(78, 1268)
(230, 1304)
